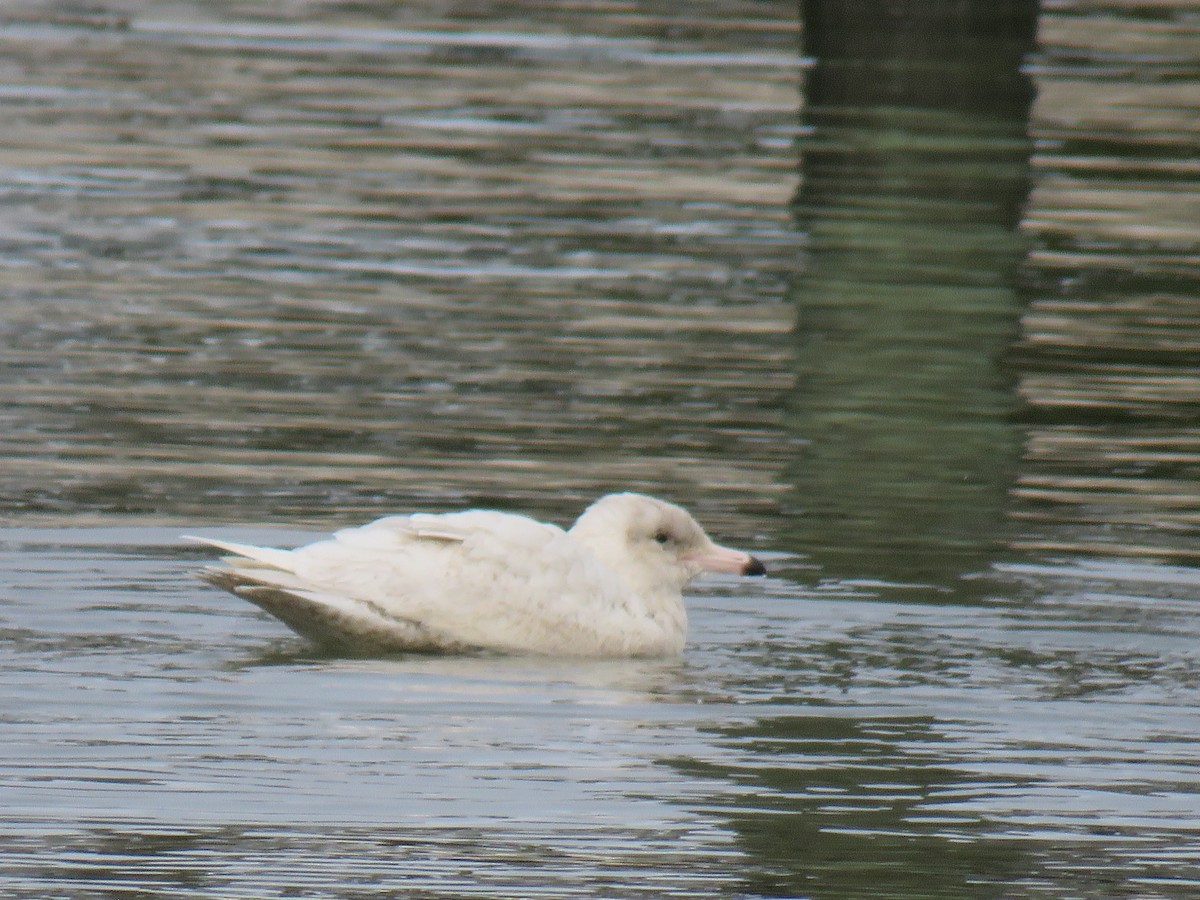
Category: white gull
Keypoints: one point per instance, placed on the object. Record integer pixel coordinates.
(611, 586)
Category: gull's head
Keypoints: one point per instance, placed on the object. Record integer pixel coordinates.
(655, 545)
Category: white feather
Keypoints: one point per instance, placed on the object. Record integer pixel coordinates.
(486, 580)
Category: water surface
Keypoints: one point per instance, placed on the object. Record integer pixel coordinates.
(926, 344)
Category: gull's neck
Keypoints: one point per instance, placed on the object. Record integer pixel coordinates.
(654, 593)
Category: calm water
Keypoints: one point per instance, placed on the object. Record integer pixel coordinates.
(914, 318)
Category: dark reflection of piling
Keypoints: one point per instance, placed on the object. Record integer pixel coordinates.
(851, 809)
(914, 170)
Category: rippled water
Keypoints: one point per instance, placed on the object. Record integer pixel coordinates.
(815, 742)
(918, 325)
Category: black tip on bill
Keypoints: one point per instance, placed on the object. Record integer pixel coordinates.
(754, 567)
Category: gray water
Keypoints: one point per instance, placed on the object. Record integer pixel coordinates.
(272, 269)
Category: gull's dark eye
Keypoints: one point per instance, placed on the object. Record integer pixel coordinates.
(661, 536)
